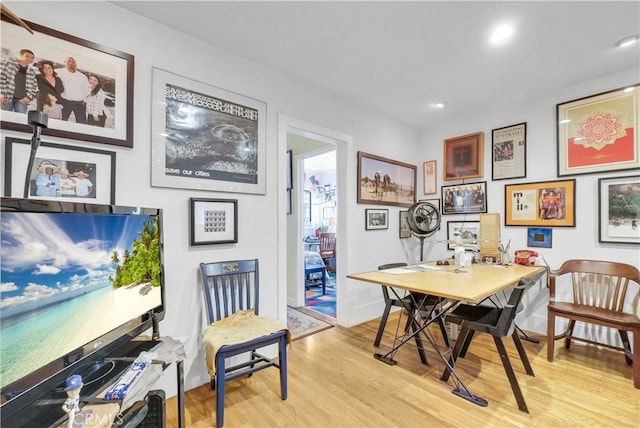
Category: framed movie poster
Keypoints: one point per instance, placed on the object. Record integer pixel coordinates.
(383, 181)
(100, 107)
(544, 204)
(206, 138)
(599, 133)
(463, 156)
(619, 199)
(509, 152)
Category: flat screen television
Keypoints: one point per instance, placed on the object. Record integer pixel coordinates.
(77, 282)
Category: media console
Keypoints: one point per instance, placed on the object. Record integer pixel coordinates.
(46, 410)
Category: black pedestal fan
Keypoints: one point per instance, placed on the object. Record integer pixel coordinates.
(424, 220)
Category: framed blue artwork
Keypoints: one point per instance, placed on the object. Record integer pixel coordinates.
(539, 237)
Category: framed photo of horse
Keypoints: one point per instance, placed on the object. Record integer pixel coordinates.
(383, 181)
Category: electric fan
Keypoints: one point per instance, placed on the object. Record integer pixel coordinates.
(424, 219)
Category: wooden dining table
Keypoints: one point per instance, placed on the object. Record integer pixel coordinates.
(451, 284)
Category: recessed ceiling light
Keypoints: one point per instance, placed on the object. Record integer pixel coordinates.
(438, 104)
(502, 33)
(628, 41)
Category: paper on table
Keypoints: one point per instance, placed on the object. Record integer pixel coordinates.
(424, 268)
(396, 271)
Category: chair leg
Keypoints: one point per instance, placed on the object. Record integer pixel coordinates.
(465, 344)
(220, 383)
(415, 326)
(282, 362)
(462, 337)
(522, 353)
(569, 333)
(502, 351)
(636, 358)
(551, 332)
(626, 346)
(383, 323)
(443, 330)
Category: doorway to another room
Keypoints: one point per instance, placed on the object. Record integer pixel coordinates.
(320, 226)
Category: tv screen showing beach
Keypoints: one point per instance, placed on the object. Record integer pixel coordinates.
(67, 279)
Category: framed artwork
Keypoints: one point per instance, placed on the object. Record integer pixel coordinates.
(468, 231)
(430, 170)
(289, 170)
(618, 201)
(463, 156)
(383, 181)
(545, 204)
(73, 59)
(206, 138)
(464, 198)
(539, 237)
(375, 219)
(60, 172)
(405, 230)
(307, 206)
(509, 152)
(213, 221)
(599, 133)
(329, 212)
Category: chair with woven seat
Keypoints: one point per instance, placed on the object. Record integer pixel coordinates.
(598, 293)
(408, 303)
(498, 322)
(231, 291)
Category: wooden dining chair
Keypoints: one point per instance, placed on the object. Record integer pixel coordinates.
(231, 291)
(598, 294)
(498, 322)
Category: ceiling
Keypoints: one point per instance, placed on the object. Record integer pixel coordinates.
(397, 58)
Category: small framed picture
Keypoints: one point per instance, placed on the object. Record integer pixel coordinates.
(539, 237)
(463, 157)
(375, 219)
(618, 215)
(465, 231)
(214, 221)
(405, 230)
(430, 170)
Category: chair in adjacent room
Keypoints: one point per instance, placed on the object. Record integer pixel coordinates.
(328, 249)
(498, 322)
(231, 291)
(407, 303)
(597, 295)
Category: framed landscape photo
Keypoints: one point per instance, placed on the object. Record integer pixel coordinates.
(60, 172)
(206, 138)
(430, 172)
(71, 57)
(383, 181)
(619, 203)
(599, 133)
(213, 221)
(509, 152)
(544, 204)
(463, 157)
(468, 231)
(375, 219)
(405, 230)
(464, 198)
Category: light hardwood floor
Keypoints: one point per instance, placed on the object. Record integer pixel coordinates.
(334, 381)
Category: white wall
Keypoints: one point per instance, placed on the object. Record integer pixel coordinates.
(262, 228)
(538, 111)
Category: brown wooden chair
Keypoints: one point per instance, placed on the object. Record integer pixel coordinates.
(327, 249)
(599, 293)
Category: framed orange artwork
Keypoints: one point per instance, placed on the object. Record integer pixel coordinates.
(544, 204)
(599, 133)
(463, 157)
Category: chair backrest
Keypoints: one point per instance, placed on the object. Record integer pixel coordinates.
(229, 287)
(327, 244)
(509, 311)
(385, 290)
(597, 283)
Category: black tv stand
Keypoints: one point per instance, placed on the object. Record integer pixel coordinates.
(46, 411)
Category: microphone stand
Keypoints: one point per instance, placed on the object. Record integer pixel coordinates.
(38, 120)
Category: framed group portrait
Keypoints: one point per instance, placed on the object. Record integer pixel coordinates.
(383, 181)
(544, 204)
(464, 198)
(599, 133)
(68, 71)
(463, 156)
(206, 138)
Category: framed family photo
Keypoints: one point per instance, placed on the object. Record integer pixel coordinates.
(544, 204)
(599, 133)
(206, 138)
(464, 198)
(383, 181)
(376, 219)
(619, 199)
(509, 152)
(463, 156)
(85, 88)
(213, 221)
(60, 172)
